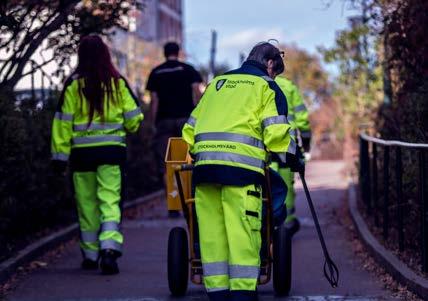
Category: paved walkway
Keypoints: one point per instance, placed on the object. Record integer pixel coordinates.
(143, 266)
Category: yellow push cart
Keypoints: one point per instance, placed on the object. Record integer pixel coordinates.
(177, 154)
(184, 254)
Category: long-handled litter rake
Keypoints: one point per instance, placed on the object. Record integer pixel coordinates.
(331, 272)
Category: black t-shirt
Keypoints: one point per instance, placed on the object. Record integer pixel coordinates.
(172, 81)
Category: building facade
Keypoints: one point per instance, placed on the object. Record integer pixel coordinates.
(138, 50)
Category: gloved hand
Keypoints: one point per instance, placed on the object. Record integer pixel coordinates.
(59, 167)
(295, 162)
(306, 144)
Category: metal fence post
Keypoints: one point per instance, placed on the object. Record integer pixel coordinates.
(374, 176)
(399, 191)
(423, 191)
(365, 173)
(362, 168)
(386, 192)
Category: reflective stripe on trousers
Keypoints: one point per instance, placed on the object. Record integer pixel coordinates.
(110, 226)
(234, 271)
(215, 268)
(243, 271)
(110, 244)
(217, 289)
(89, 236)
(90, 254)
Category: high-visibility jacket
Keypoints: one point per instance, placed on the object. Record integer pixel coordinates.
(241, 116)
(102, 140)
(297, 112)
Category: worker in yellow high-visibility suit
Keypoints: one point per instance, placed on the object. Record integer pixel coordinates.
(298, 117)
(241, 116)
(96, 110)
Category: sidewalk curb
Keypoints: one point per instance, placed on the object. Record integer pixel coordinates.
(9, 266)
(385, 258)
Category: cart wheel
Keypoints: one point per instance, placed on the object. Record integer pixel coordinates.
(178, 261)
(281, 261)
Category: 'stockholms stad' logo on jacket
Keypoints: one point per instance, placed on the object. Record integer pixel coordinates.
(220, 84)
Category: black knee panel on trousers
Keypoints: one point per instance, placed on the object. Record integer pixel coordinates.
(243, 296)
(219, 295)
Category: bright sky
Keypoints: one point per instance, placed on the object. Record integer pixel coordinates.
(242, 23)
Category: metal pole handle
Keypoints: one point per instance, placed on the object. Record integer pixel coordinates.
(331, 272)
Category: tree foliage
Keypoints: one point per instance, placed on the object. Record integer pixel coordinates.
(305, 70)
(359, 83)
(390, 44)
(27, 26)
(406, 56)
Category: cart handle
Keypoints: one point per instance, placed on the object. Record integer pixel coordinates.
(177, 170)
(183, 167)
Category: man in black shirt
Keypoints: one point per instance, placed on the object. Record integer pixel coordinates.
(174, 91)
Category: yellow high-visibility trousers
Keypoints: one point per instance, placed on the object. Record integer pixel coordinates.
(229, 219)
(98, 195)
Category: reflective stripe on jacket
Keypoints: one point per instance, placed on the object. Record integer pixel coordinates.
(241, 115)
(71, 128)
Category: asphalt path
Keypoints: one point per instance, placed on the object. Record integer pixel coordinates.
(143, 265)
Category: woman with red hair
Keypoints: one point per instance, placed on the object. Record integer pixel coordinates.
(95, 111)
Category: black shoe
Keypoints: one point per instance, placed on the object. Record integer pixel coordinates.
(292, 226)
(173, 213)
(108, 262)
(88, 264)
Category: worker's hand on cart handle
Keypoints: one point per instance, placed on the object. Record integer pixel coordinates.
(183, 167)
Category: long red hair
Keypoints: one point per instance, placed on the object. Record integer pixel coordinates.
(99, 74)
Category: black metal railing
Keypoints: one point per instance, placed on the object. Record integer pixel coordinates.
(375, 152)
